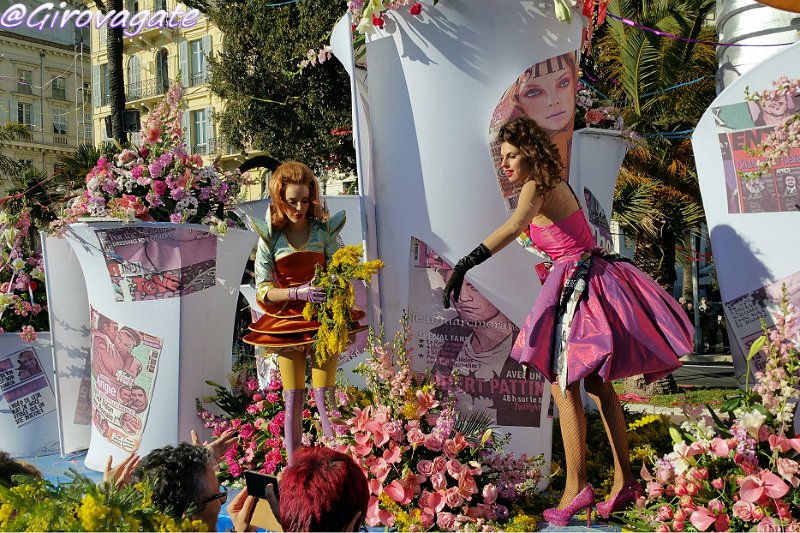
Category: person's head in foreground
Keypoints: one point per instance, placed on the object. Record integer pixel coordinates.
(184, 480)
(10, 467)
(323, 490)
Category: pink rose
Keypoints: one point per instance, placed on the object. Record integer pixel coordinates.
(159, 187)
(718, 483)
(454, 498)
(433, 443)
(415, 437)
(425, 467)
(450, 449)
(438, 481)
(767, 524)
(743, 510)
(686, 502)
(455, 468)
(680, 515)
(439, 464)
(489, 494)
(247, 431)
(446, 521)
(663, 528)
(234, 469)
(678, 525)
(793, 527)
(431, 502)
(788, 468)
(716, 506)
(665, 513)
(692, 489)
(719, 447)
(594, 116)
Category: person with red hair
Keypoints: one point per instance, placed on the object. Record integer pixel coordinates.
(297, 236)
(323, 490)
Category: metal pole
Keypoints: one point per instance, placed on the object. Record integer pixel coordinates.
(41, 97)
(698, 334)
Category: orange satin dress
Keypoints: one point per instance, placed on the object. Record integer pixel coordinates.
(283, 266)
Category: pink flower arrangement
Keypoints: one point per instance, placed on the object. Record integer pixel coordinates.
(426, 468)
(23, 299)
(159, 180)
(258, 416)
(737, 472)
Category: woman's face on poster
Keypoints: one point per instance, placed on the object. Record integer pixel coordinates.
(549, 99)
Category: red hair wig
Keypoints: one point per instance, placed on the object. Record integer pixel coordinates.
(321, 491)
(299, 174)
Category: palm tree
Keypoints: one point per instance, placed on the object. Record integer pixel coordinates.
(657, 200)
(116, 82)
(663, 86)
(11, 131)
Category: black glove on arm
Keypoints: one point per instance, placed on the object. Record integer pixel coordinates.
(453, 286)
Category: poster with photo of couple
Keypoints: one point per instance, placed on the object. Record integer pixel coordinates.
(148, 263)
(124, 365)
(474, 338)
(741, 128)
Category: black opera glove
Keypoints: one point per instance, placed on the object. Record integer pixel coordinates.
(453, 286)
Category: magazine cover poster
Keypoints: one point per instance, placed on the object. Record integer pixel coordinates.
(148, 263)
(124, 369)
(26, 390)
(746, 313)
(473, 338)
(545, 92)
(741, 129)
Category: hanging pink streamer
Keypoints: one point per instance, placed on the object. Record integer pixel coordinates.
(668, 35)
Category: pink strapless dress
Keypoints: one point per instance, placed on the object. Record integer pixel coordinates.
(624, 324)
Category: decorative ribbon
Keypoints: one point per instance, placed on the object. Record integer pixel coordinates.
(668, 35)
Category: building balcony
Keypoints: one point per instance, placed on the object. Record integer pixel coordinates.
(146, 90)
(215, 146)
(152, 36)
(60, 139)
(199, 78)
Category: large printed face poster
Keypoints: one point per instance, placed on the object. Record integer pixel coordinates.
(148, 263)
(545, 92)
(25, 387)
(476, 339)
(741, 128)
(124, 368)
(746, 312)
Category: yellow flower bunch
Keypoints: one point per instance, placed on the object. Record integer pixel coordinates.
(81, 505)
(645, 420)
(334, 314)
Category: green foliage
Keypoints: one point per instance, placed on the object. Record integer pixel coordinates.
(271, 104)
(651, 438)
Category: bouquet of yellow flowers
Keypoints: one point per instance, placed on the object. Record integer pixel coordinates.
(35, 504)
(334, 314)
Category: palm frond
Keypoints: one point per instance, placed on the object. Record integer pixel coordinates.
(473, 425)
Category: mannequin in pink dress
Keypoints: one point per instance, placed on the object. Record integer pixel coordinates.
(596, 319)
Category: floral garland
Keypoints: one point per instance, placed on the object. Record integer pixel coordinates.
(740, 472)
(334, 314)
(23, 299)
(159, 181)
(81, 505)
(784, 137)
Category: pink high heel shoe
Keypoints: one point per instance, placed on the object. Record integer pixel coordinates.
(561, 517)
(620, 501)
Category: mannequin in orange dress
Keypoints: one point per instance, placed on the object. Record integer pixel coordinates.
(297, 236)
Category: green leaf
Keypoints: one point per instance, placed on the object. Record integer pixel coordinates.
(756, 347)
